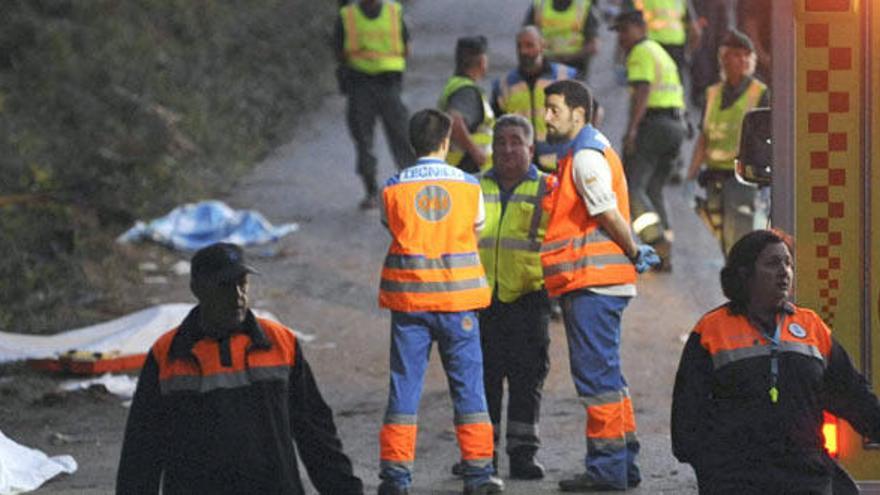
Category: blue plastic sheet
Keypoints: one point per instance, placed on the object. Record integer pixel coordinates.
(194, 226)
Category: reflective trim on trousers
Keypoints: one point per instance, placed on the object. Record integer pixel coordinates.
(423, 287)
(723, 358)
(419, 262)
(521, 435)
(599, 261)
(612, 397)
(645, 220)
(468, 419)
(400, 419)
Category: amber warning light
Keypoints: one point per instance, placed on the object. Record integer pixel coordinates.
(829, 431)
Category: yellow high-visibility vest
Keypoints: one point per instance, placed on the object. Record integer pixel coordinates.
(664, 19)
(373, 46)
(482, 136)
(563, 31)
(723, 126)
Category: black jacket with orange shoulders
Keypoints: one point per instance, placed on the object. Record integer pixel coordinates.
(722, 412)
(219, 416)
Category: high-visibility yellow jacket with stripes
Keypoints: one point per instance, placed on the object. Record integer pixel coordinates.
(514, 95)
(373, 46)
(648, 61)
(723, 126)
(510, 243)
(563, 31)
(482, 136)
(664, 19)
(432, 263)
(577, 253)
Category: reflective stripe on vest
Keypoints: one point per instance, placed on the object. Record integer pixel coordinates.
(203, 371)
(432, 263)
(515, 97)
(666, 88)
(576, 252)
(563, 31)
(664, 19)
(375, 45)
(731, 338)
(510, 242)
(482, 136)
(723, 127)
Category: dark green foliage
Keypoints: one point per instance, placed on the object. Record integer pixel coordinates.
(112, 110)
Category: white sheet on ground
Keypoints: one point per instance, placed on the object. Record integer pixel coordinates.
(196, 225)
(23, 469)
(129, 335)
(118, 385)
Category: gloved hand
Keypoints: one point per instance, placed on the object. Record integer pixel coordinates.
(645, 258)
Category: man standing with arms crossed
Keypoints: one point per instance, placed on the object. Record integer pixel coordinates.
(432, 281)
(371, 46)
(588, 257)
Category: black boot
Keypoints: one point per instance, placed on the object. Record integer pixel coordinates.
(525, 467)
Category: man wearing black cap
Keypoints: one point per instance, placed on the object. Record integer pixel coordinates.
(732, 209)
(465, 101)
(654, 133)
(220, 398)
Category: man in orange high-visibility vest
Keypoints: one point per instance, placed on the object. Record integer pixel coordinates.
(588, 257)
(433, 282)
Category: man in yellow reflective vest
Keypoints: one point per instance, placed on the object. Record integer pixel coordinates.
(513, 330)
(570, 30)
(590, 260)
(654, 133)
(521, 91)
(733, 209)
(464, 100)
(671, 23)
(433, 283)
(371, 47)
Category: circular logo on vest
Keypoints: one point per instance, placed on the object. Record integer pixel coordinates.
(433, 203)
(797, 330)
(467, 323)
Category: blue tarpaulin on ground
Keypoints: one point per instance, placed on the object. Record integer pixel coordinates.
(194, 226)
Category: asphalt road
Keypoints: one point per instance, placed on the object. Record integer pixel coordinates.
(323, 281)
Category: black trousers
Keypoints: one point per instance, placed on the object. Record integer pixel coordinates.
(369, 98)
(515, 341)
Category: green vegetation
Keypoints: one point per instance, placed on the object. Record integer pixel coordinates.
(112, 110)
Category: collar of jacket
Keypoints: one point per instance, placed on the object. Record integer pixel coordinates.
(190, 332)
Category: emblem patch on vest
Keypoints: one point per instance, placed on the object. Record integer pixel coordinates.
(467, 323)
(797, 330)
(433, 203)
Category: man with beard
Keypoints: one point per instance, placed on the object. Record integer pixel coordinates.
(521, 91)
(590, 259)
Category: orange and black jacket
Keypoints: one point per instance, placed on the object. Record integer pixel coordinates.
(217, 417)
(722, 412)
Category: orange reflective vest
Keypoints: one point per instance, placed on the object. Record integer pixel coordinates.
(432, 263)
(577, 252)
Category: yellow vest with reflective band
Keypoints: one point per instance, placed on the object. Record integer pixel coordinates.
(510, 243)
(666, 88)
(482, 136)
(722, 127)
(563, 31)
(515, 97)
(373, 46)
(665, 20)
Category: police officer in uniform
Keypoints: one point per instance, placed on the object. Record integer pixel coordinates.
(433, 283)
(671, 23)
(521, 91)
(732, 208)
(371, 46)
(654, 133)
(464, 100)
(570, 30)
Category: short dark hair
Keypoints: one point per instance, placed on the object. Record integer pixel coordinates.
(468, 51)
(575, 94)
(741, 264)
(427, 130)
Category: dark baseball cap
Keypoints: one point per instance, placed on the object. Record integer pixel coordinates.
(737, 39)
(220, 262)
(628, 17)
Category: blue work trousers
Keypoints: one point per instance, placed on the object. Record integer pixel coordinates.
(592, 327)
(458, 340)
